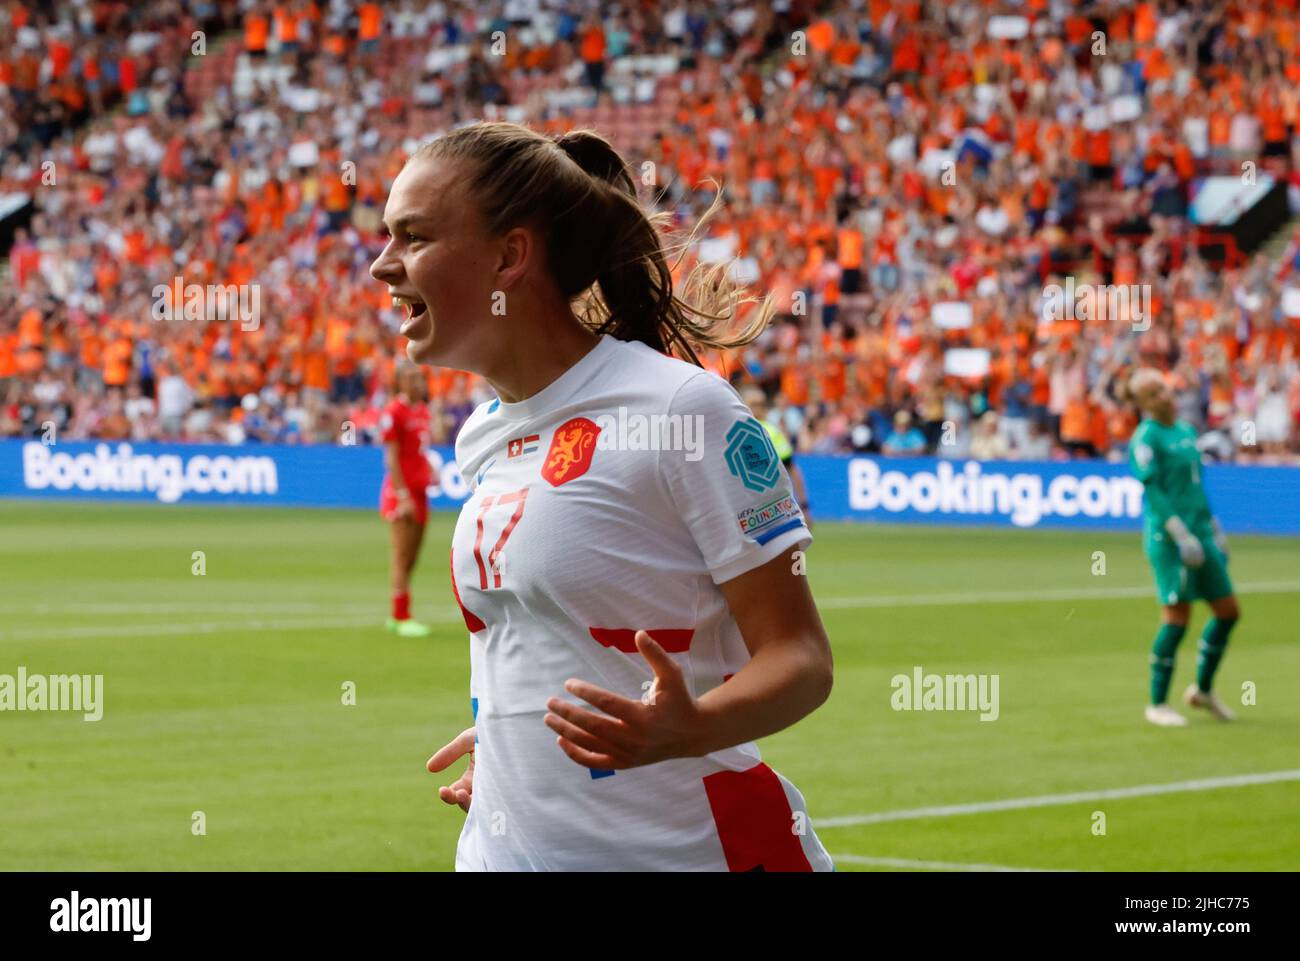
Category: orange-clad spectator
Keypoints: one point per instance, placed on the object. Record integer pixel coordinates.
(126, 74)
(117, 361)
(1078, 30)
(30, 360)
(1099, 154)
(25, 74)
(316, 368)
(60, 56)
(825, 179)
(795, 383)
(1077, 427)
(91, 351)
(59, 344)
(1121, 421)
(30, 333)
(1144, 23)
(256, 31)
(907, 55)
(335, 44)
(370, 23)
(8, 360)
(591, 48)
(136, 247)
(821, 36)
(173, 166)
(286, 27)
(832, 378)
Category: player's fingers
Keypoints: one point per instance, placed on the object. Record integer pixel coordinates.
(443, 758)
(457, 793)
(607, 701)
(663, 665)
(580, 737)
(584, 757)
(608, 728)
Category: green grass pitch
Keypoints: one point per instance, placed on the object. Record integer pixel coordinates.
(223, 695)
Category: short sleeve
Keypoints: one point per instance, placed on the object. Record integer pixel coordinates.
(390, 423)
(1142, 456)
(729, 486)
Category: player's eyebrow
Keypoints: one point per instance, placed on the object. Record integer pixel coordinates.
(400, 223)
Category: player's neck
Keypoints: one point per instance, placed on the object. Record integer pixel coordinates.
(530, 365)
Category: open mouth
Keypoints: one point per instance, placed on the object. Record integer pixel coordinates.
(412, 306)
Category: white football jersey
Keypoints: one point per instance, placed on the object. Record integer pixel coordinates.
(617, 499)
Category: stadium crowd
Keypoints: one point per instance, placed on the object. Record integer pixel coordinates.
(903, 179)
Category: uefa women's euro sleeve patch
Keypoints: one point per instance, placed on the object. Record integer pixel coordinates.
(731, 490)
(751, 456)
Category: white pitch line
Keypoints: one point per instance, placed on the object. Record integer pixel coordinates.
(1049, 800)
(831, 603)
(183, 607)
(1020, 597)
(909, 864)
(885, 600)
(200, 627)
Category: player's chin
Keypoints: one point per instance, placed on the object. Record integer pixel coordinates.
(421, 347)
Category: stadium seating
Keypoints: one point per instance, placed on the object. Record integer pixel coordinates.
(829, 128)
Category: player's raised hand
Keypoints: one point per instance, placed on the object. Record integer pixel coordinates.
(663, 724)
(461, 790)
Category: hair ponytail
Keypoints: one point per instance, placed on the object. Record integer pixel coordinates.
(606, 253)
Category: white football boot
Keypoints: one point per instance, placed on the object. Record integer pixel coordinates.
(1194, 697)
(1165, 716)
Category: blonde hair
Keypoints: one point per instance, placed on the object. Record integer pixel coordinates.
(604, 251)
(1142, 378)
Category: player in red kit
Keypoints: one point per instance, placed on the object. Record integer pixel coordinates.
(403, 501)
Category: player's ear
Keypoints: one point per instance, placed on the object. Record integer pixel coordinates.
(519, 247)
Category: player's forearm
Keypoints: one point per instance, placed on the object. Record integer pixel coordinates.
(392, 464)
(781, 684)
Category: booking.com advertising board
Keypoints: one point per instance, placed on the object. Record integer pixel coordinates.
(1020, 494)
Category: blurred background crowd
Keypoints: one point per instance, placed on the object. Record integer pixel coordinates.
(881, 163)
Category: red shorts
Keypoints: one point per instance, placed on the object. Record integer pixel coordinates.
(388, 502)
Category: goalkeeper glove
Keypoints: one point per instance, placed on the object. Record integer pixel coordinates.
(1189, 548)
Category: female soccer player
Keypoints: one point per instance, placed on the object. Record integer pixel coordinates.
(1186, 547)
(402, 499)
(629, 560)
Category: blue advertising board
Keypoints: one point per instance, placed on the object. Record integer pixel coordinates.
(1016, 494)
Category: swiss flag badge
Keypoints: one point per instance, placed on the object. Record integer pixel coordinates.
(572, 448)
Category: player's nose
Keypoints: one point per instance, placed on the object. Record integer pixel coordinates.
(387, 268)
